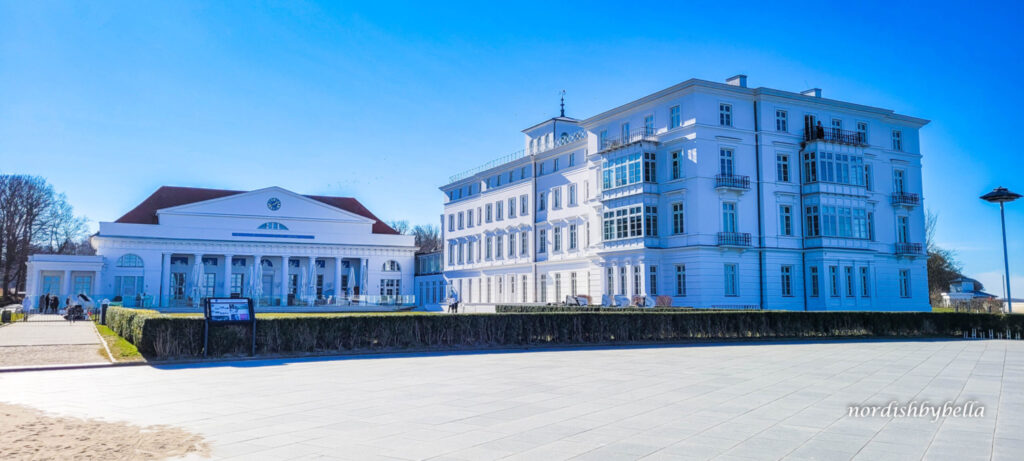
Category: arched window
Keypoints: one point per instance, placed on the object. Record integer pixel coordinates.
(273, 225)
(267, 263)
(129, 260)
(391, 266)
(564, 136)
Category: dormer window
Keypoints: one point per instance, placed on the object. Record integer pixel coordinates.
(273, 225)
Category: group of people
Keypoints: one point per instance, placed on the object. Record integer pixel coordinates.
(50, 304)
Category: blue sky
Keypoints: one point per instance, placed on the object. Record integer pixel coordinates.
(383, 100)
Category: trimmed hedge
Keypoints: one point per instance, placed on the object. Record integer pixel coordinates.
(160, 336)
(541, 308)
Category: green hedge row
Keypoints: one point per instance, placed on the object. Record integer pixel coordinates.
(539, 308)
(159, 336)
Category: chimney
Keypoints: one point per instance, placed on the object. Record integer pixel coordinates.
(815, 92)
(737, 80)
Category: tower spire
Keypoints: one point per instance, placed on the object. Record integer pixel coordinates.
(563, 102)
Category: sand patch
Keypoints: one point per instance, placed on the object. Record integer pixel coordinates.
(30, 434)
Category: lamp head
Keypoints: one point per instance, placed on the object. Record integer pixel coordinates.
(1000, 195)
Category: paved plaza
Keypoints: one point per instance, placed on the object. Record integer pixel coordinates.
(48, 339)
(727, 401)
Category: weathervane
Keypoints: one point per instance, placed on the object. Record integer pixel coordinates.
(563, 102)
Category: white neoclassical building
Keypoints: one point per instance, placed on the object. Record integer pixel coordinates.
(712, 194)
(181, 245)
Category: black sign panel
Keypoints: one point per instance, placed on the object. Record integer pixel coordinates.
(229, 310)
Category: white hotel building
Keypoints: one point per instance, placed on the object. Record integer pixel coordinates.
(716, 195)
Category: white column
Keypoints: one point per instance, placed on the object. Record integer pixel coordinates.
(226, 283)
(165, 280)
(67, 285)
(284, 280)
(337, 279)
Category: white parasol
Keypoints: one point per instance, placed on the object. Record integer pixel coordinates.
(197, 275)
(311, 283)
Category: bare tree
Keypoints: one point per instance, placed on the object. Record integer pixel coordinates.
(33, 218)
(402, 227)
(428, 238)
(942, 264)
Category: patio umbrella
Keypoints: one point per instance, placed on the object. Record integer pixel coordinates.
(311, 283)
(257, 282)
(300, 289)
(197, 275)
(351, 280)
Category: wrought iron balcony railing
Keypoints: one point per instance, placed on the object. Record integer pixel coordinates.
(732, 181)
(855, 138)
(734, 239)
(905, 198)
(642, 134)
(904, 248)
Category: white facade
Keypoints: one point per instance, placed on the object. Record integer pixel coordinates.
(182, 245)
(713, 194)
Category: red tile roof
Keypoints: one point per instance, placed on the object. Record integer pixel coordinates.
(170, 196)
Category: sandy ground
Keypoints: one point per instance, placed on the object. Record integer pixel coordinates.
(11, 356)
(30, 434)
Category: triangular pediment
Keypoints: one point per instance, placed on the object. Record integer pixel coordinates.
(271, 203)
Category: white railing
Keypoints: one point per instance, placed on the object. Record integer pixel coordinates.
(567, 139)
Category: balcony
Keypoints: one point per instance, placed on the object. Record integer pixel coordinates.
(904, 248)
(906, 199)
(837, 136)
(734, 239)
(634, 136)
(731, 181)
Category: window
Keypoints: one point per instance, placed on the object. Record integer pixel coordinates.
(572, 158)
(391, 266)
(524, 205)
(725, 114)
(573, 237)
(556, 198)
(541, 201)
(730, 280)
(622, 280)
(674, 120)
(602, 139)
(512, 245)
(554, 167)
(837, 128)
(479, 216)
(572, 284)
(897, 140)
(898, 181)
(848, 272)
(499, 247)
(862, 132)
(273, 226)
(236, 284)
(621, 171)
(833, 281)
(489, 209)
(543, 288)
(652, 284)
(524, 243)
(649, 125)
(625, 132)
(904, 283)
(728, 216)
(210, 284)
(637, 275)
(469, 218)
(902, 229)
(680, 279)
(522, 173)
(787, 280)
(451, 223)
(814, 281)
(786, 219)
(462, 251)
(498, 210)
(542, 242)
(782, 168)
(469, 251)
(622, 223)
(129, 260)
(781, 120)
(451, 253)
(556, 237)
(610, 288)
(511, 207)
(540, 169)
(864, 290)
(678, 219)
(587, 234)
(813, 226)
(650, 167)
(726, 162)
(511, 177)
(572, 194)
(651, 221)
(462, 220)
(677, 164)
(558, 287)
(810, 167)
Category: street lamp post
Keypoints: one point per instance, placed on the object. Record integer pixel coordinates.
(1001, 195)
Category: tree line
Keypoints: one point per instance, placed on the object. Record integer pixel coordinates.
(34, 218)
(427, 237)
